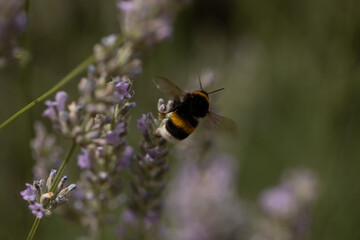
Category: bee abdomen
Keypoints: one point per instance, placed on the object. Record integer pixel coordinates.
(179, 127)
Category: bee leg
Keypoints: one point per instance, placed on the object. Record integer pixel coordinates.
(162, 114)
(159, 129)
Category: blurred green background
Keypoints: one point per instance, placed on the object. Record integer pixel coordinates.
(291, 70)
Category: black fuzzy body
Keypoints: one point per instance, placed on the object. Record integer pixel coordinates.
(183, 119)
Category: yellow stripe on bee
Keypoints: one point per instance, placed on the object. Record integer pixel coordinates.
(181, 123)
(203, 95)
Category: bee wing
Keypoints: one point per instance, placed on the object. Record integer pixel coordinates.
(221, 123)
(169, 88)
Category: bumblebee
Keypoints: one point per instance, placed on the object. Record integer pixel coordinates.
(182, 117)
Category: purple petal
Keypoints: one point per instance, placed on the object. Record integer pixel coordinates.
(50, 113)
(37, 209)
(113, 137)
(60, 100)
(122, 89)
(154, 152)
(29, 193)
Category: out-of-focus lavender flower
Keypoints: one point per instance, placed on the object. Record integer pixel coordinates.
(297, 189)
(304, 184)
(41, 200)
(29, 193)
(128, 154)
(141, 123)
(149, 21)
(45, 151)
(50, 111)
(13, 23)
(84, 159)
(202, 203)
(59, 103)
(60, 100)
(287, 207)
(278, 202)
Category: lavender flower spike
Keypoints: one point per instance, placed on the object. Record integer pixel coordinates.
(149, 170)
(41, 200)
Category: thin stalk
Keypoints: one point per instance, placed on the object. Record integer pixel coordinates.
(81, 67)
(76, 71)
(62, 168)
(54, 184)
(33, 229)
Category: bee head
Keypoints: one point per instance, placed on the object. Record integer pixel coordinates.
(200, 103)
(199, 106)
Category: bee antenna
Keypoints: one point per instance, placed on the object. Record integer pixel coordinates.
(200, 83)
(217, 90)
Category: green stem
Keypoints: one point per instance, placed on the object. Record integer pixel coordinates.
(76, 71)
(33, 229)
(53, 186)
(62, 82)
(62, 168)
